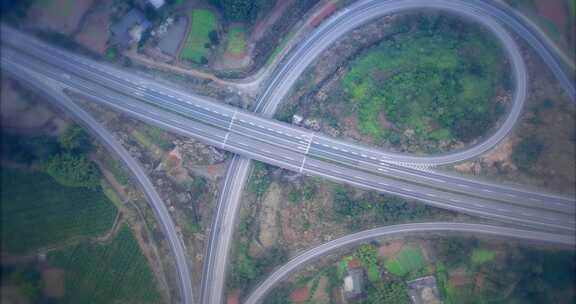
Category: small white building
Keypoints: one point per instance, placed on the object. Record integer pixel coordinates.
(156, 3)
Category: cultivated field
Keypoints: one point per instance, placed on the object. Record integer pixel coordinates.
(202, 23)
(106, 273)
(408, 260)
(37, 211)
(236, 40)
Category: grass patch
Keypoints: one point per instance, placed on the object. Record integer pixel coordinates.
(236, 40)
(146, 141)
(437, 79)
(203, 22)
(111, 194)
(408, 260)
(481, 256)
(37, 211)
(113, 273)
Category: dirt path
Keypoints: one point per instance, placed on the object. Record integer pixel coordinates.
(262, 25)
(113, 230)
(183, 41)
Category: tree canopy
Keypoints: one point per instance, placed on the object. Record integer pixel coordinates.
(74, 138)
(72, 170)
(240, 10)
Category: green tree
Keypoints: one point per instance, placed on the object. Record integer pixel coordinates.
(74, 138)
(213, 35)
(527, 152)
(367, 254)
(387, 293)
(240, 10)
(72, 170)
(28, 282)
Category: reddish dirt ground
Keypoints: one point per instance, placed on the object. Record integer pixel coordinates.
(94, 33)
(61, 16)
(390, 249)
(233, 297)
(300, 295)
(53, 282)
(554, 11)
(354, 263)
(324, 12)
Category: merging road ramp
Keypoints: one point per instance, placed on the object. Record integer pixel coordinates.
(397, 231)
(304, 151)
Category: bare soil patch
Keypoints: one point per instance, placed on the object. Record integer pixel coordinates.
(22, 113)
(554, 10)
(94, 33)
(268, 226)
(390, 249)
(300, 295)
(62, 16)
(53, 282)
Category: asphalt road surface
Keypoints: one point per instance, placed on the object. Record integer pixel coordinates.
(315, 153)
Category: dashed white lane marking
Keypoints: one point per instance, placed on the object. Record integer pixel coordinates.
(309, 143)
(383, 184)
(486, 190)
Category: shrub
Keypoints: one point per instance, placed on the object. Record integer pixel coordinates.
(73, 170)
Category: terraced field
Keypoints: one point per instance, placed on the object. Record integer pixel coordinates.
(37, 211)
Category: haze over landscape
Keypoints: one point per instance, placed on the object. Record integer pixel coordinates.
(288, 151)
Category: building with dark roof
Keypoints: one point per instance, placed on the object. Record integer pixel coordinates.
(129, 29)
(353, 287)
(423, 291)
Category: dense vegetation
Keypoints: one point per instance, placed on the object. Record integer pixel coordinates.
(527, 152)
(521, 275)
(26, 279)
(64, 158)
(38, 212)
(379, 209)
(241, 10)
(73, 170)
(246, 270)
(437, 79)
(113, 273)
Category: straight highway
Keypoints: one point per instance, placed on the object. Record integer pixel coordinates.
(539, 211)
